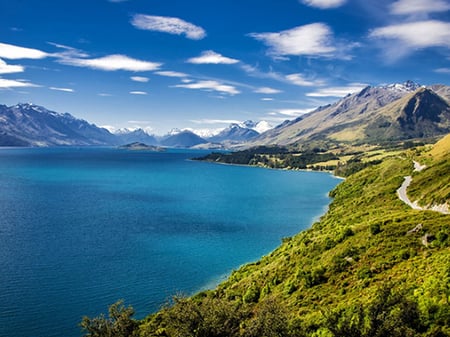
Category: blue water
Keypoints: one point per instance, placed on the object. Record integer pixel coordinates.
(82, 228)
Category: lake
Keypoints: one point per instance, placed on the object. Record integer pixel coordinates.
(83, 227)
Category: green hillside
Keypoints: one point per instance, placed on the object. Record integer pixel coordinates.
(371, 266)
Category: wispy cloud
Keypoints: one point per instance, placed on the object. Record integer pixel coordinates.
(62, 89)
(267, 91)
(215, 121)
(337, 91)
(68, 52)
(414, 7)
(9, 69)
(290, 112)
(442, 70)
(256, 72)
(211, 57)
(138, 93)
(266, 99)
(140, 79)
(12, 52)
(5, 84)
(169, 73)
(104, 94)
(324, 4)
(300, 80)
(210, 86)
(405, 38)
(313, 39)
(169, 25)
(112, 63)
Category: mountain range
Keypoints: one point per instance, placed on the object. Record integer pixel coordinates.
(375, 114)
(394, 112)
(29, 124)
(33, 125)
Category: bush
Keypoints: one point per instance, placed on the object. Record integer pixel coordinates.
(119, 323)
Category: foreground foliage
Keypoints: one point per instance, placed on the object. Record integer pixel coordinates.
(370, 267)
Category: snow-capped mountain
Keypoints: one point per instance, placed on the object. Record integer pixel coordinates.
(27, 124)
(139, 135)
(183, 139)
(238, 132)
(408, 86)
(234, 133)
(375, 114)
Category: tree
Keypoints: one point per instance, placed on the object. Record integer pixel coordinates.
(119, 323)
(390, 314)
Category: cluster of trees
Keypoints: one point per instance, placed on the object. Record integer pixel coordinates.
(389, 314)
(273, 157)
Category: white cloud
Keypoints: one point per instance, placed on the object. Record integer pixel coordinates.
(290, 112)
(169, 73)
(9, 69)
(68, 52)
(103, 94)
(62, 89)
(215, 121)
(313, 39)
(442, 70)
(267, 90)
(405, 38)
(210, 86)
(112, 63)
(9, 51)
(324, 4)
(411, 7)
(138, 93)
(5, 83)
(169, 25)
(211, 57)
(267, 99)
(337, 91)
(140, 79)
(299, 79)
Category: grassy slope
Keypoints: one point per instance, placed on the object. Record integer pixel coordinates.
(432, 185)
(360, 245)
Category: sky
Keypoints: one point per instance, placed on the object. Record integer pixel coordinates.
(203, 64)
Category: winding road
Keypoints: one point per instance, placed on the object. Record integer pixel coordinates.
(403, 196)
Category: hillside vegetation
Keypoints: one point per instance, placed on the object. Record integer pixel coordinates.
(371, 266)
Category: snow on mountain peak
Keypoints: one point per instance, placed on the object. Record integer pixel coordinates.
(407, 86)
(262, 126)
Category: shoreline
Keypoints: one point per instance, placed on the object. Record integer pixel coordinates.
(270, 168)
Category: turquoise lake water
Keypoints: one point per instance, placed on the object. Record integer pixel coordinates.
(82, 228)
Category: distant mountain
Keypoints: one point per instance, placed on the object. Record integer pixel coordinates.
(239, 132)
(33, 125)
(375, 114)
(127, 136)
(183, 139)
(234, 133)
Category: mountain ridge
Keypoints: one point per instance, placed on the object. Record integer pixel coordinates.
(350, 118)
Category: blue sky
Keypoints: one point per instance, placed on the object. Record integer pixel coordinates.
(201, 64)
